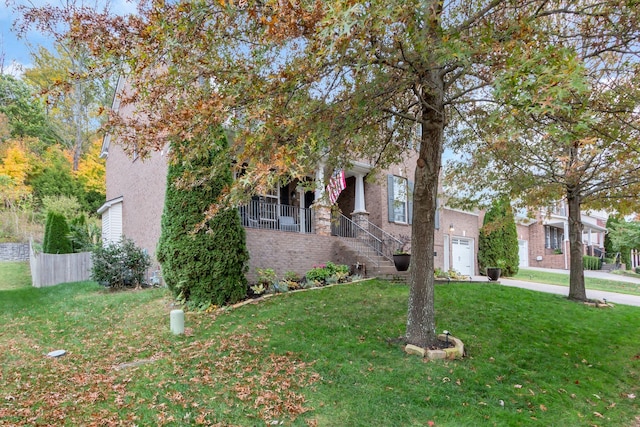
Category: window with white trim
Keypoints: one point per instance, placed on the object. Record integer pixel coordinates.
(400, 199)
(553, 237)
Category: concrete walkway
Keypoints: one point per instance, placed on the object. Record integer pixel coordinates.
(612, 297)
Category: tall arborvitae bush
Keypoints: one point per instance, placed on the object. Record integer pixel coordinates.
(498, 239)
(56, 235)
(202, 266)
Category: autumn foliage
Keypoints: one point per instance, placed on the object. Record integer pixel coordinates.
(312, 83)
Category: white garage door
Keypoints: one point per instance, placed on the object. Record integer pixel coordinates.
(462, 256)
(523, 253)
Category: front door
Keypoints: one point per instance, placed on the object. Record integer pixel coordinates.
(462, 256)
(523, 253)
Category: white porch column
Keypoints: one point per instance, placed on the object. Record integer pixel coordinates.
(319, 182)
(360, 214)
(567, 245)
(359, 206)
(302, 216)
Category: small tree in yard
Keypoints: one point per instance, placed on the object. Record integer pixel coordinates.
(202, 265)
(498, 240)
(623, 236)
(56, 235)
(119, 265)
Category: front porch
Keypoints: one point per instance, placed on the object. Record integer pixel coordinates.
(268, 215)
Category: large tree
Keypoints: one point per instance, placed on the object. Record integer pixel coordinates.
(73, 96)
(331, 81)
(572, 111)
(23, 113)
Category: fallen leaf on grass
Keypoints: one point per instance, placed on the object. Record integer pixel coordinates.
(598, 414)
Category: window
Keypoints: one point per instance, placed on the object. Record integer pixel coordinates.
(399, 199)
(553, 237)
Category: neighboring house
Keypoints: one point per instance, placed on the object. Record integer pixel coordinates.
(544, 240)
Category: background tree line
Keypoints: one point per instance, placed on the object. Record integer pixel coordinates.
(49, 144)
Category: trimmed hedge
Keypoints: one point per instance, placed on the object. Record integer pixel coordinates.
(591, 262)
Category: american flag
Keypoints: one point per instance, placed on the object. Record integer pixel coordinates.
(337, 183)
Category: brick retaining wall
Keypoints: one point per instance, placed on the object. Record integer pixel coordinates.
(14, 252)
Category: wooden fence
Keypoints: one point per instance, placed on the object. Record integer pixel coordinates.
(52, 269)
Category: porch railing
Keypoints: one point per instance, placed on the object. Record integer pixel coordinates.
(274, 216)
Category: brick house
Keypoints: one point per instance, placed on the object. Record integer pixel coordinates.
(285, 229)
(544, 239)
(291, 229)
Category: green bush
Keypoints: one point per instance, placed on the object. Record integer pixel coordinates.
(498, 239)
(120, 265)
(84, 234)
(202, 266)
(56, 235)
(328, 273)
(591, 262)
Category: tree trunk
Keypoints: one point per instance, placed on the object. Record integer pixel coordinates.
(77, 121)
(421, 323)
(577, 290)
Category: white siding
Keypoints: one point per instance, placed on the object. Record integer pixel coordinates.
(112, 223)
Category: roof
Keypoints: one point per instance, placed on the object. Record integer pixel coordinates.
(109, 203)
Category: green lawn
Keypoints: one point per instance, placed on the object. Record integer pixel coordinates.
(325, 357)
(590, 282)
(14, 275)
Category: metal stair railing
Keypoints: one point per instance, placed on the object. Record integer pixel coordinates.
(390, 243)
(366, 241)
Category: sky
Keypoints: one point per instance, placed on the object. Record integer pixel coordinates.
(15, 53)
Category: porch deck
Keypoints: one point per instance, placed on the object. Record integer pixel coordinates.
(275, 216)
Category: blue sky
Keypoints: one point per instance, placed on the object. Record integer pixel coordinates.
(17, 52)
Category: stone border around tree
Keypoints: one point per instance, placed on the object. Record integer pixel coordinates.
(455, 352)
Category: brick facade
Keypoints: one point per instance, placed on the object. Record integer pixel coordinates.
(142, 185)
(291, 251)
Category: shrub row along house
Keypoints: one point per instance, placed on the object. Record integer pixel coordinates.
(286, 231)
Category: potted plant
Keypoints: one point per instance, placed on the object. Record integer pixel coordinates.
(401, 260)
(493, 273)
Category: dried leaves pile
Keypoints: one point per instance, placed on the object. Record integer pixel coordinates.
(124, 376)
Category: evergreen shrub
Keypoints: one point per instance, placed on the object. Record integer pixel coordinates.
(120, 265)
(203, 266)
(498, 239)
(56, 235)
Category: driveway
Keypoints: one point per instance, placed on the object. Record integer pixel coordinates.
(564, 290)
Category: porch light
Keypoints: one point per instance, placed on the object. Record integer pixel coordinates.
(451, 228)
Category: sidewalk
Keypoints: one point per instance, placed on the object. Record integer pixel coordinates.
(564, 290)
